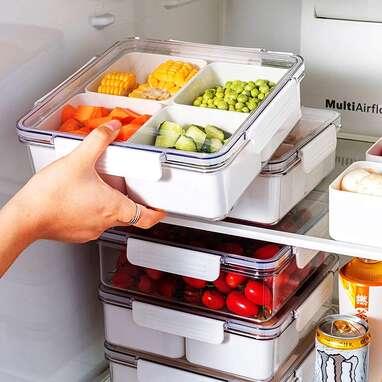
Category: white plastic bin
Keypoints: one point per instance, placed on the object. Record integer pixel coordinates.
(127, 365)
(167, 172)
(354, 217)
(305, 158)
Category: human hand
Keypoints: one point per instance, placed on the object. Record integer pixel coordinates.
(68, 201)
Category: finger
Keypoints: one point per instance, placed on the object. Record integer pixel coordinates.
(149, 217)
(97, 141)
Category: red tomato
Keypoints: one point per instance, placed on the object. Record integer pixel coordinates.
(259, 293)
(154, 274)
(191, 295)
(266, 252)
(234, 248)
(235, 279)
(122, 278)
(213, 300)
(145, 284)
(195, 283)
(237, 303)
(221, 285)
(122, 259)
(167, 287)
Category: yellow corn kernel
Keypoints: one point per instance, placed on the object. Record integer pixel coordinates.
(118, 83)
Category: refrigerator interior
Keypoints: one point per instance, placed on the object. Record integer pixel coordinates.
(43, 44)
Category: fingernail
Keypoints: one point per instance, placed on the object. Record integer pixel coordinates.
(113, 125)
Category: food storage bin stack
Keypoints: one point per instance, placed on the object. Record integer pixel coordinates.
(208, 132)
(211, 300)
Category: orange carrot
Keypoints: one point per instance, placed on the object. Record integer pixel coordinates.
(95, 122)
(141, 120)
(132, 113)
(121, 114)
(84, 113)
(67, 112)
(126, 132)
(70, 124)
(105, 111)
(79, 132)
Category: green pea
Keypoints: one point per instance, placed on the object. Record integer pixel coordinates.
(197, 102)
(210, 102)
(247, 93)
(203, 105)
(228, 84)
(212, 106)
(271, 84)
(250, 86)
(259, 83)
(233, 96)
(219, 89)
(255, 92)
(240, 89)
(261, 96)
(231, 102)
(231, 108)
(216, 101)
(208, 96)
(264, 89)
(219, 95)
(245, 109)
(239, 106)
(242, 98)
(222, 105)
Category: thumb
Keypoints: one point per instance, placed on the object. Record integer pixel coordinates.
(97, 141)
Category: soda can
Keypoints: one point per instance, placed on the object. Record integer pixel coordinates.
(342, 349)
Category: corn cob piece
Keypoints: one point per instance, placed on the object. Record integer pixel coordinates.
(118, 83)
(172, 75)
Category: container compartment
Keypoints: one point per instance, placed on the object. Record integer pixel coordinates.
(283, 113)
(214, 177)
(142, 64)
(44, 155)
(354, 217)
(228, 345)
(305, 158)
(206, 270)
(128, 365)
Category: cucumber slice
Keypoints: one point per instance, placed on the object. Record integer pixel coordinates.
(170, 128)
(212, 145)
(197, 134)
(214, 132)
(185, 143)
(166, 140)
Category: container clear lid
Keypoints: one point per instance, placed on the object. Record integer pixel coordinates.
(264, 331)
(236, 253)
(312, 123)
(29, 126)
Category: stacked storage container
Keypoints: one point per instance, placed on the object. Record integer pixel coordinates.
(180, 303)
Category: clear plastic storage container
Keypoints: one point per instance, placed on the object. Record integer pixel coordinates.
(303, 160)
(228, 345)
(182, 182)
(131, 366)
(216, 273)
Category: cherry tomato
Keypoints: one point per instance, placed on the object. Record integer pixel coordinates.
(167, 287)
(213, 300)
(154, 274)
(234, 248)
(195, 283)
(145, 284)
(191, 295)
(122, 278)
(258, 293)
(122, 259)
(221, 285)
(237, 303)
(266, 252)
(235, 279)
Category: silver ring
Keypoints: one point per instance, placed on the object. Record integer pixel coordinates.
(137, 216)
